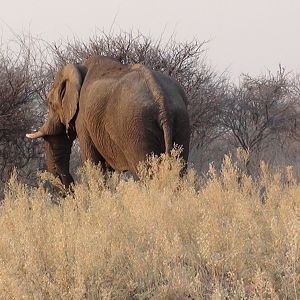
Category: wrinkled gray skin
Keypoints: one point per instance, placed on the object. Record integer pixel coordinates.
(120, 113)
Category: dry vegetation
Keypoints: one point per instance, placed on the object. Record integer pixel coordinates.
(224, 236)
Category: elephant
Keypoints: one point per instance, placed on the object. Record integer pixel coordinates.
(120, 113)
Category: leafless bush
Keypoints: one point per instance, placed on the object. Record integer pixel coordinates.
(20, 86)
(261, 112)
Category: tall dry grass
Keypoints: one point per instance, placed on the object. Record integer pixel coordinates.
(225, 236)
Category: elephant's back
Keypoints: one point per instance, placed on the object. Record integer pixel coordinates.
(129, 107)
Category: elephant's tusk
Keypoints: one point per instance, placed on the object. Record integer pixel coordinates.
(34, 135)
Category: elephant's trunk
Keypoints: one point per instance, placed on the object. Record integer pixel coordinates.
(58, 151)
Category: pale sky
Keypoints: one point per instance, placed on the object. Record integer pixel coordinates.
(246, 36)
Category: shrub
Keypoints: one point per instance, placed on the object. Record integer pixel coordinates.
(162, 237)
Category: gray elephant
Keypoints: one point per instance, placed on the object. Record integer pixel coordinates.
(120, 114)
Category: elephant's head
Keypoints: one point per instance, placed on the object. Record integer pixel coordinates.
(57, 130)
(62, 102)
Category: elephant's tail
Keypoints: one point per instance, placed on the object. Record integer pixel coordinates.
(158, 97)
(167, 137)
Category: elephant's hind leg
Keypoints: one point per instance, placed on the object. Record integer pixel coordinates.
(89, 153)
(138, 153)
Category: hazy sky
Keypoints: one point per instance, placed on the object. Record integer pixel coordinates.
(247, 36)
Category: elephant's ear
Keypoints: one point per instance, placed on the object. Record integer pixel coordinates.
(69, 92)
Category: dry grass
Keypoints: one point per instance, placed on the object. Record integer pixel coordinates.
(160, 238)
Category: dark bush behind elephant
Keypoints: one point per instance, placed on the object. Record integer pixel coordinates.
(120, 114)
